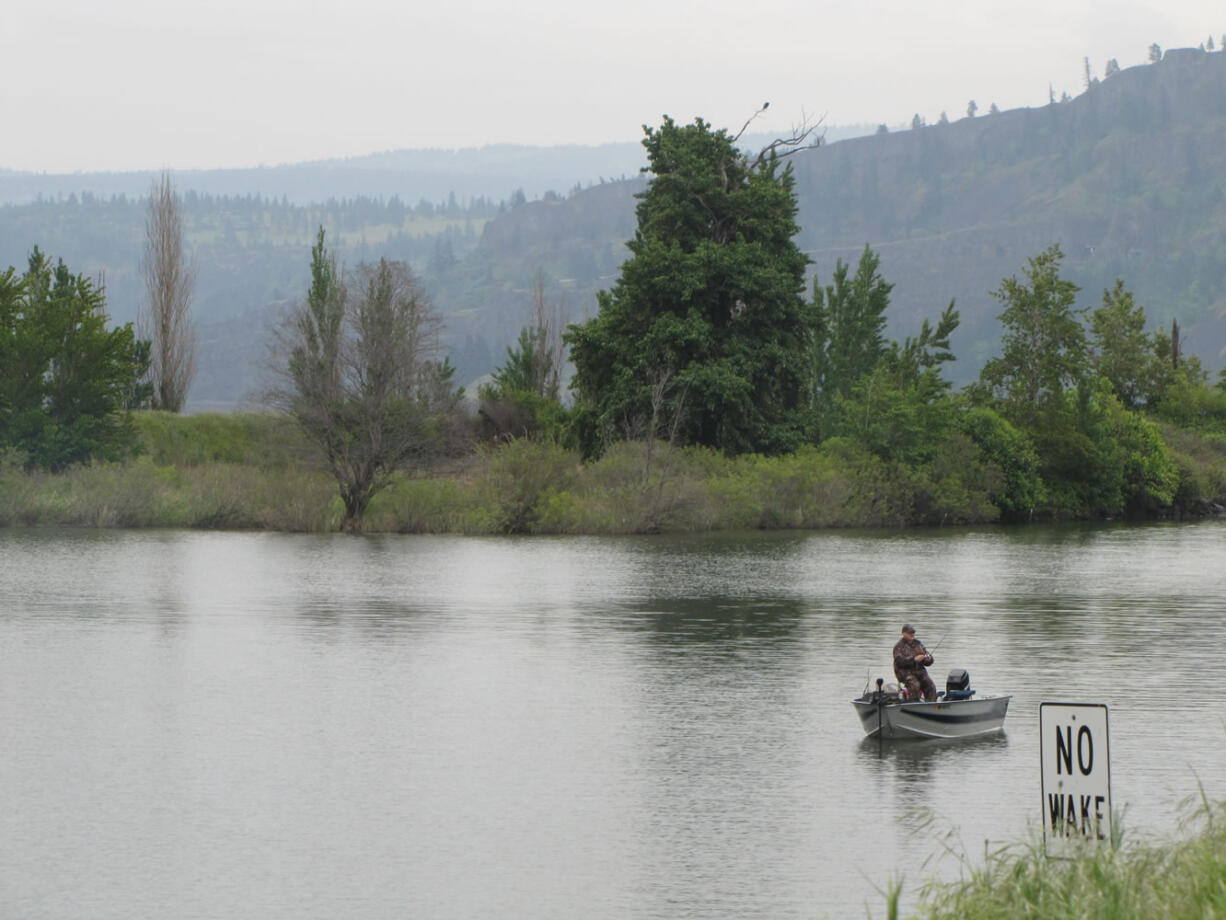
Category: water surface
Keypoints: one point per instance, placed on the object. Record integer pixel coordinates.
(252, 725)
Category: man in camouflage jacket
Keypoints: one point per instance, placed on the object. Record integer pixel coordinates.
(910, 666)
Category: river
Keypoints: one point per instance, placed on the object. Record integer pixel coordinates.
(220, 725)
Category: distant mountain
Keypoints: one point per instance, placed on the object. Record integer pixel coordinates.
(494, 172)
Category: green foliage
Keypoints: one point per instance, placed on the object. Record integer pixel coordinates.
(1096, 456)
(141, 493)
(706, 326)
(426, 504)
(525, 396)
(1021, 491)
(518, 477)
(262, 439)
(1170, 879)
(900, 408)
(1148, 474)
(529, 367)
(1123, 352)
(67, 381)
(1201, 464)
(360, 379)
(1188, 402)
(849, 337)
(1044, 348)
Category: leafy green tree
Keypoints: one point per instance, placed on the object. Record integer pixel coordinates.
(901, 409)
(849, 338)
(68, 381)
(707, 327)
(1123, 352)
(1097, 456)
(361, 377)
(1041, 383)
(1021, 491)
(1044, 348)
(1148, 475)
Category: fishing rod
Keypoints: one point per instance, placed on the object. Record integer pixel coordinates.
(938, 645)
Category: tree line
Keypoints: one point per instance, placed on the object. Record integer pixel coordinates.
(712, 338)
(68, 383)
(707, 339)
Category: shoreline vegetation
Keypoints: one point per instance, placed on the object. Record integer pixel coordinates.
(708, 393)
(1183, 878)
(257, 471)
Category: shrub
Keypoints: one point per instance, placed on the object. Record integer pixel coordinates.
(517, 477)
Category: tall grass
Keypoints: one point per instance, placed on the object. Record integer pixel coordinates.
(1176, 880)
(139, 493)
(265, 440)
(256, 471)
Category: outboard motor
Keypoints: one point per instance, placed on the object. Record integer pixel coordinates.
(958, 685)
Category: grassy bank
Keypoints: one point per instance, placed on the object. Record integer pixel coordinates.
(255, 471)
(1175, 880)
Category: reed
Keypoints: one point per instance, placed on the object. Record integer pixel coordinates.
(1172, 880)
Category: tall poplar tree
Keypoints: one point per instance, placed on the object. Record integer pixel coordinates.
(706, 332)
(170, 278)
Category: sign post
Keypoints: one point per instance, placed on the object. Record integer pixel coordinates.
(1076, 770)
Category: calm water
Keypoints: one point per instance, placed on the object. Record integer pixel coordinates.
(266, 726)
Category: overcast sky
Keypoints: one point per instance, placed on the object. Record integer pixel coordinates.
(181, 84)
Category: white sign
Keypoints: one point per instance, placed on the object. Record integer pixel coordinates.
(1076, 767)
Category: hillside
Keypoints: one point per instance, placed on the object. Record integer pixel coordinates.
(1129, 178)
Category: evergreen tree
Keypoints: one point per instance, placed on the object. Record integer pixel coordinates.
(849, 338)
(525, 396)
(67, 381)
(707, 321)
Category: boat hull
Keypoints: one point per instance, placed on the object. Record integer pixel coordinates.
(892, 720)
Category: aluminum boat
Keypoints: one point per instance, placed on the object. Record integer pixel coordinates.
(957, 713)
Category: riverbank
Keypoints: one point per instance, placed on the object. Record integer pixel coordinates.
(1181, 879)
(249, 471)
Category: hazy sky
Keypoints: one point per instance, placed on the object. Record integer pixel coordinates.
(134, 84)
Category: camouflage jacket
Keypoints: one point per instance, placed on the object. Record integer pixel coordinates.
(905, 651)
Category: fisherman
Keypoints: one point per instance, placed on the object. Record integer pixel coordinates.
(910, 666)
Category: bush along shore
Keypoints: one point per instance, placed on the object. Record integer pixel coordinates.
(1180, 880)
(256, 471)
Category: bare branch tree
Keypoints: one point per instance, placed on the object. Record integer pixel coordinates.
(548, 321)
(170, 278)
(361, 375)
(803, 137)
